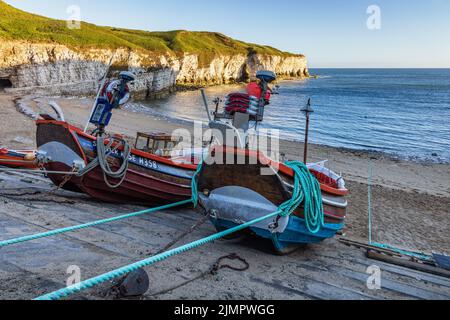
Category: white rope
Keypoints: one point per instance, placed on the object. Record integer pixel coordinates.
(103, 152)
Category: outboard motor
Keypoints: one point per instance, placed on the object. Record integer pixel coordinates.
(256, 98)
(266, 77)
(241, 109)
(113, 94)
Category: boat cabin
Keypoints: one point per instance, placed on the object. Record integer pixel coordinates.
(157, 143)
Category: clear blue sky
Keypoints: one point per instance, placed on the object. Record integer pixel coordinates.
(332, 33)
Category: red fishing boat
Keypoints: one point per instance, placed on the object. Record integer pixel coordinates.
(252, 186)
(150, 178)
(24, 159)
(239, 185)
(106, 167)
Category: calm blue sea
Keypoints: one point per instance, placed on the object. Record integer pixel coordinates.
(402, 112)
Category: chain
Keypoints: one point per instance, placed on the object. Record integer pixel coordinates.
(66, 179)
(114, 291)
(212, 272)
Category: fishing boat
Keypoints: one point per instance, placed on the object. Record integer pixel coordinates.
(149, 179)
(233, 189)
(23, 159)
(107, 167)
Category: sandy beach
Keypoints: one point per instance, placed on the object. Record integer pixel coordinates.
(410, 200)
(410, 209)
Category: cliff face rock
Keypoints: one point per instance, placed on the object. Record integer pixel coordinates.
(56, 69)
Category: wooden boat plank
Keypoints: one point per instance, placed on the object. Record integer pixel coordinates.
(322, 272)
(408, 264)
(443, 261)
(135, 231)
(349, 265)
(407, 290)
(421, 277)
(316, 289)
(403, 270)
(309, 263)
(298, 294)
(27, 279)
(53, 241)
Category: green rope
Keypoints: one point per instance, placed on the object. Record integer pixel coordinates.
(413, 254)
(87, 284)
(370, 200)
(193, 200)
(194, 184)
(307, 191)
(89, 225)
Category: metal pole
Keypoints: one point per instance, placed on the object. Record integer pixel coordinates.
(370, 201)
(305, 154)
(205, 101)
(308, 110)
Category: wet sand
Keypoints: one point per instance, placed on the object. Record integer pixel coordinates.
(411, 201)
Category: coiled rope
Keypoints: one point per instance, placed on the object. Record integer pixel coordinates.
(194, 183)
(103, 152)
(307, 191)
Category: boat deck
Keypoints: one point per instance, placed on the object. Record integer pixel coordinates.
(327, 271)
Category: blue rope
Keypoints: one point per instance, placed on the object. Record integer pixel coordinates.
(193, 200)
(307, 191)
(370, 200)
(194, 184)
(65, 292)
(89, 225)
(300, 193)
(418, 255)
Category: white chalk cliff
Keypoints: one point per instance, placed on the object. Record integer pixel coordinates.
(46, 68)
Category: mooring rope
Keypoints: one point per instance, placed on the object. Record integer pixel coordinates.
(103, 152)
(307, 191)
(87, 284)
(194, 183)
(89, 225)
(285, 209)
(193, 200)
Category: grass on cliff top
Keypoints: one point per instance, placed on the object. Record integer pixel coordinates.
(19, 25)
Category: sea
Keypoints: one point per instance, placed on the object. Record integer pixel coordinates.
(404, 113)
